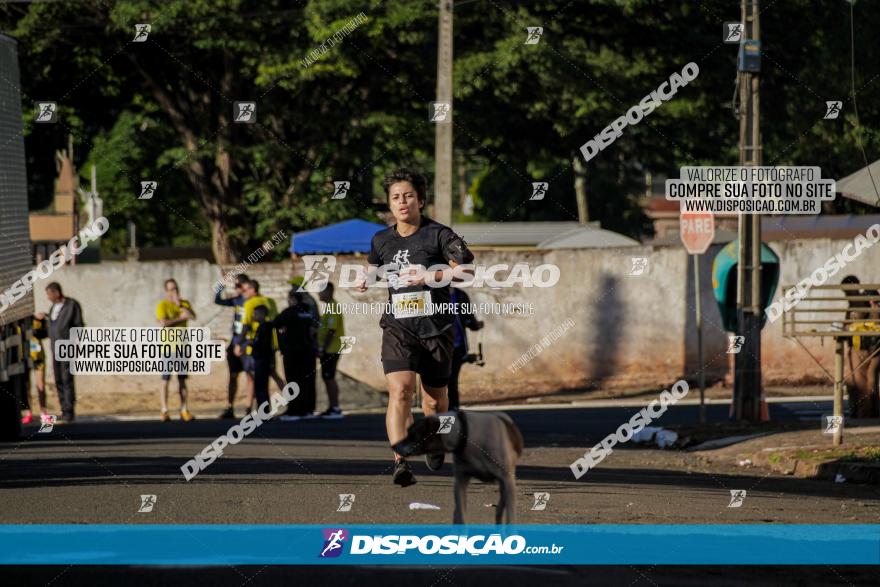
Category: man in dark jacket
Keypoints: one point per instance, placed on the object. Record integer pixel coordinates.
(297, 328)
(64, 314)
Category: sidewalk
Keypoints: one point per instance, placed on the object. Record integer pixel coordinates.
(807, 453)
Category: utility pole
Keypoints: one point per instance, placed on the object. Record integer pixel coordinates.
(443, 140)
(580, 188)
(747, 390)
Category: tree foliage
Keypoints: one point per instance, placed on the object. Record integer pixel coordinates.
(162, 109)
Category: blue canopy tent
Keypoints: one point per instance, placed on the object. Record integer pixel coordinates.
(349, 236)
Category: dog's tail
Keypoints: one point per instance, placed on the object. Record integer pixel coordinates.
(515, 435)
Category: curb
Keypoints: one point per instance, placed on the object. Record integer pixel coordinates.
(828, 470)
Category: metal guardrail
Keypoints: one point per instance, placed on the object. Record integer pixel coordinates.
(832, 311)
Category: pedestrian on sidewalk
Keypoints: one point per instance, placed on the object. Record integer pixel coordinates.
(174, 312)
(65, 313)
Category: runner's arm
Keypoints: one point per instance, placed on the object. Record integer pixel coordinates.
(221, 301)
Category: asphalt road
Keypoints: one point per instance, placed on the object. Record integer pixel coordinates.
(293, 472)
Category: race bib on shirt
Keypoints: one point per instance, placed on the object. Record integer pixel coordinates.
(411, 305)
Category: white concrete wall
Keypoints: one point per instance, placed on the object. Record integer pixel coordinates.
(629, 331)
(783, 359)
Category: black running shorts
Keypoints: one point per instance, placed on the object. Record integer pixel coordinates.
(430, 357)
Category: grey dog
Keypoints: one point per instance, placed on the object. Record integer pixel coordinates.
(484, 445)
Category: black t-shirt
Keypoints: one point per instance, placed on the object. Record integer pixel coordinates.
(432, 244)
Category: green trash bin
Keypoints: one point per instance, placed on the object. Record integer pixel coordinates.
(724, 281)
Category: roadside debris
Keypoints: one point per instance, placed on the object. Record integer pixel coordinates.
(423, 506)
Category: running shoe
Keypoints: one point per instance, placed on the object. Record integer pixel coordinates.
(165, 417)
(228, 414)
(290, 418)
(27, 419)
(435, 461)
(333, 413)
(186, 416)
(311, 416)
(402, 474)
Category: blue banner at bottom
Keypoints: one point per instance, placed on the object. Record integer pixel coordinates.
(613, 544)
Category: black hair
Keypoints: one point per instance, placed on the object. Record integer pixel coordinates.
(56, 287)
(419, 182)
(241, 279)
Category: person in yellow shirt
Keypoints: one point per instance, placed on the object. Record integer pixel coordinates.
(39, 331)
(174, 312)
(258, 341)
(330, 335)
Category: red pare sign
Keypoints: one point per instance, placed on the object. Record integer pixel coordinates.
(697, 229)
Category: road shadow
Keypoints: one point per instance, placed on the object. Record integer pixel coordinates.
(166, 470)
